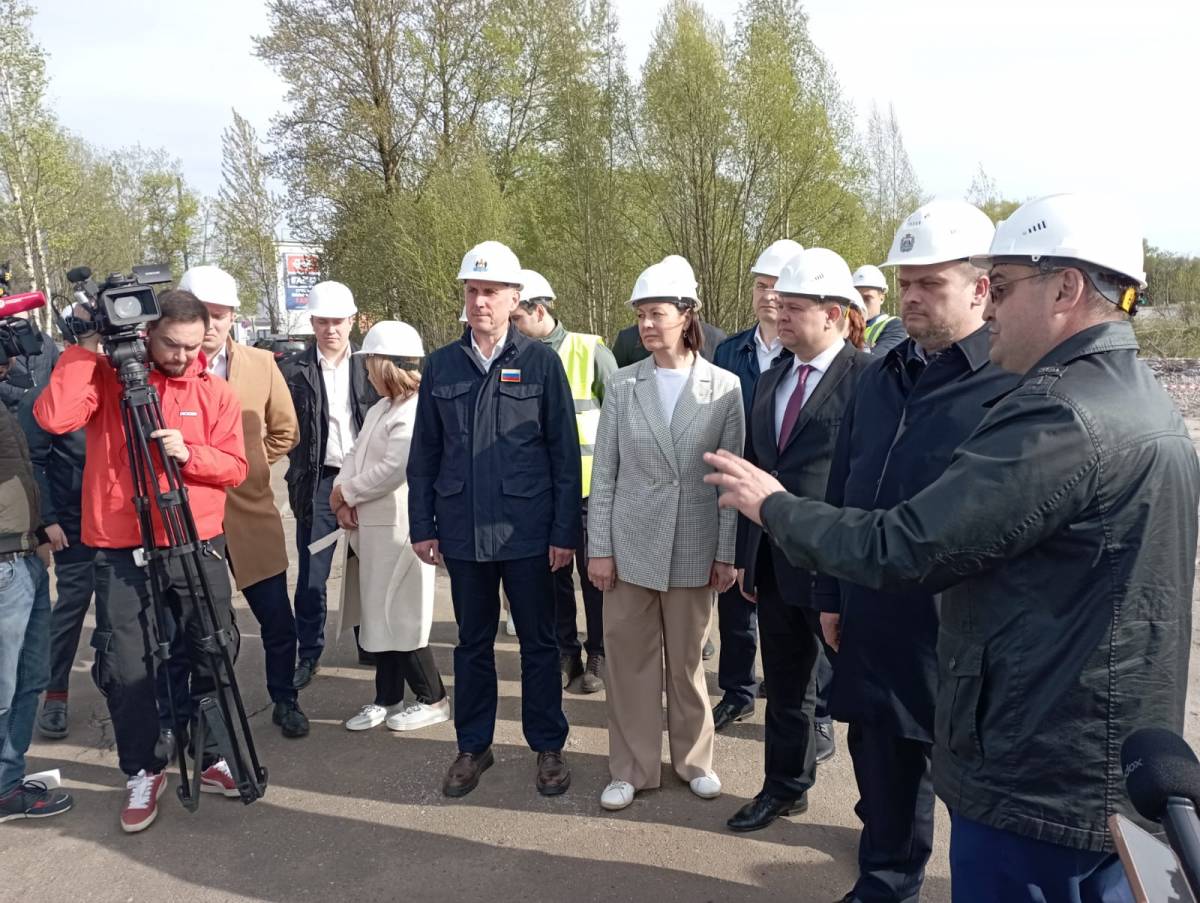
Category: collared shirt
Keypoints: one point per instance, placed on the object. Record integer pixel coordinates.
(766, 353)
(483, 361)
(218, 364)
(787, 385)
(336, 376)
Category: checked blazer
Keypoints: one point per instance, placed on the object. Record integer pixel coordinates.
(650, 508)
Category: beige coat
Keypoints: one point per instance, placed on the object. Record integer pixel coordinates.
(386, 589)
(253, 528)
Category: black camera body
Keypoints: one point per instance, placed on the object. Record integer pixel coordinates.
(120, 308)
(18, 338)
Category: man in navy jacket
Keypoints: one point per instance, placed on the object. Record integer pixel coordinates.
(911, 412)
(494, 492)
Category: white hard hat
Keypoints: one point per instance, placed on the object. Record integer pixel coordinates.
(859, 305)
(868, 276)
(331, 299)
(678, 265)
(491, 261)
(666, 281)
(1080, 227)
(817, 273)
(392, 338)
(939, 232)
(534, 287)
(212, 285)
(770, 262)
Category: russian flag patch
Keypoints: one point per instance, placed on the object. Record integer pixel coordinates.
(510, 376)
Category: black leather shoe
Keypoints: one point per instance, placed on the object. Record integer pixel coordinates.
(304, 673)
(553, 776)
(764, 809)
(292, 722)
(464, 772)
(826, 744)
(726, 713)
(849, 898)
(708, 651)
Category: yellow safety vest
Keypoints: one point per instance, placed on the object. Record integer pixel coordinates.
(877, 327)
(578, 354)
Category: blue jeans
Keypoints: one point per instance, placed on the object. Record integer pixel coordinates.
(24, 660)
(990, 865)
(314, 570)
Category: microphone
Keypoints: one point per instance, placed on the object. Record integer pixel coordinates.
(15, 304)
(1162, 777)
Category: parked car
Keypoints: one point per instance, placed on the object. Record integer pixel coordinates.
(281, 346)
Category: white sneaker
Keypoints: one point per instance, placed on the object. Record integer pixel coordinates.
(419, 715)
(510, 626)
(370, 716)
(707, 786)
(617, 795)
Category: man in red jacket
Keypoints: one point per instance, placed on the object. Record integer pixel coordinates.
(204, 435)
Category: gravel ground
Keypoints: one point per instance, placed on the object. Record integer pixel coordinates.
(1181, 378)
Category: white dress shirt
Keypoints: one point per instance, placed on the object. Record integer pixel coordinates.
(766, 353)
(787, 385)
(336, 376)
(485, 361)
(219, 364)
(670, 386)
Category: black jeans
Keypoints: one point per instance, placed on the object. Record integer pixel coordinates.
(75, 582)
(475, 590)
(125, 642)
(417, 667)
(565, 608)
(268, 600)
(314, 570)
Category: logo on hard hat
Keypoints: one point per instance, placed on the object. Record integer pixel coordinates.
(907, 242)
(480, 265)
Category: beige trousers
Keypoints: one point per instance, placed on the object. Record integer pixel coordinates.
(642, 628)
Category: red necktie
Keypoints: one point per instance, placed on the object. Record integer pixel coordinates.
(792, 412)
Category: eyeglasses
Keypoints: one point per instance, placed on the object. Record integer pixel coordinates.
(1001, 289)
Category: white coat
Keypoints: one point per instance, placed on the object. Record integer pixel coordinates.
(386, 589)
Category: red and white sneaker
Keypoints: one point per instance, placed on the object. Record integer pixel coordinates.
(141, 800)
(217, 778)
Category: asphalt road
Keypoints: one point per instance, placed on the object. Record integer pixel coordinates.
(360, 816)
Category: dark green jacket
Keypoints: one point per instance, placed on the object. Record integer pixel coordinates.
(1064, 536)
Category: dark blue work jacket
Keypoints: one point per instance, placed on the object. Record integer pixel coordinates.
(494, 468)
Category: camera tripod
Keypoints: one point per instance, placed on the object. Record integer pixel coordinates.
(221, 715)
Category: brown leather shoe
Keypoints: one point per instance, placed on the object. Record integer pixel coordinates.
(553, 776)
(463, 776)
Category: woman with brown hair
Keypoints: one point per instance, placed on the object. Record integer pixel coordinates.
(855, 329)
(386, 588)
(658, 544)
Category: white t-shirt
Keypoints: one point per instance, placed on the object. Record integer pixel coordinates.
(670, 387)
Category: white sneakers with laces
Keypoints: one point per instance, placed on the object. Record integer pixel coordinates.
(617, 795)
(707, 786)
(371, 716)
(420, 715)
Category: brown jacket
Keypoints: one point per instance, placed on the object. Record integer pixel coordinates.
(253, 528)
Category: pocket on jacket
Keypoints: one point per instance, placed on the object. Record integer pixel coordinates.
(527, 485)
(445, 486)
(451, 401)
(957, 720)
(519, 412)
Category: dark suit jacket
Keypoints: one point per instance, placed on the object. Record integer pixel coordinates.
(803, 464)
(628, 348)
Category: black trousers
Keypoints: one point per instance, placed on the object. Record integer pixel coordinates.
(475, 591)
(565, 610)
(790, 652)
(268, 600)
(737, 619)
(75, 582)
(125, 643)
(895, 805)
(416, 668)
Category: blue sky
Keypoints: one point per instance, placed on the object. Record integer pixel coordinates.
(1048, 95)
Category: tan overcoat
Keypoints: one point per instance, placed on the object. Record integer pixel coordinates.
(253, 527)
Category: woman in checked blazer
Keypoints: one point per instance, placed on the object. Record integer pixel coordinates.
(657, 542)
